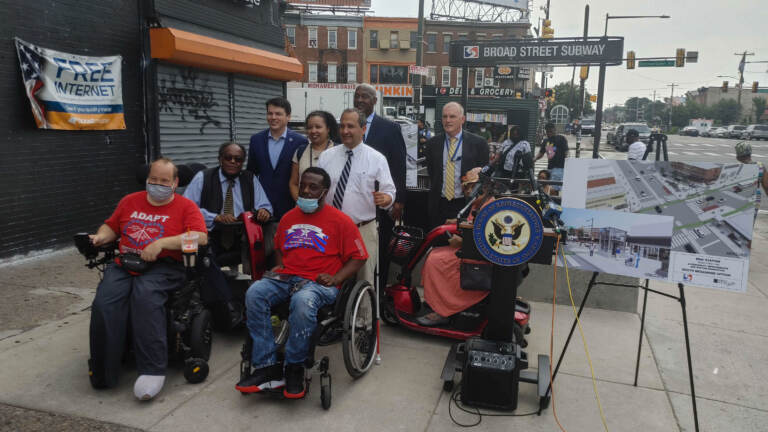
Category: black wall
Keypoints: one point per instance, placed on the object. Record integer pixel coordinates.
(56, 183)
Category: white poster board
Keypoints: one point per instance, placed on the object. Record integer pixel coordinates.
(713, 206)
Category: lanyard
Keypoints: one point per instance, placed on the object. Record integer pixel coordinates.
(452, 157)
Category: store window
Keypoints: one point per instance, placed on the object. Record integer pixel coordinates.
(479, 75)
(374, 74)
(387, 74)
(374, 39)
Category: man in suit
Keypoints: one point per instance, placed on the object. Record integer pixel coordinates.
(449, 156)
(385, 137)
(270, 159)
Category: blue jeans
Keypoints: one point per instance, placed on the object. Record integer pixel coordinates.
(302, 318)
(556, 175)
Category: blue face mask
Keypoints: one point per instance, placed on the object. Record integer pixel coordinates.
(159, 193)
(307, 205)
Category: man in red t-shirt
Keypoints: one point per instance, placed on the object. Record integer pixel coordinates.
(149, 223)
(317, 247)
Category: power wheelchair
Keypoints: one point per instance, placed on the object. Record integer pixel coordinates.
(188, 326)
(356, 310)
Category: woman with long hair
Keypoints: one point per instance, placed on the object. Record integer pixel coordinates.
(322, 132)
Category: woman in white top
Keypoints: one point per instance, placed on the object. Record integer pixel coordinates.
(322, 132)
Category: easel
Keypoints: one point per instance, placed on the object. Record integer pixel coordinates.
(661, 147)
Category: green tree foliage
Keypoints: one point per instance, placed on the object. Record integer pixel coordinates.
(568, 95)
(759, 105)
(725, 111)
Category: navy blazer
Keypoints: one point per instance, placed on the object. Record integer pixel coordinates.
(274, 180)
(385, 136)
(474, 153)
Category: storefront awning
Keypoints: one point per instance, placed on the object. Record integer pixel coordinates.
(190, 49)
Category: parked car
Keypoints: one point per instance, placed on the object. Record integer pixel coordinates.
(587, 127)
(757, 132)
(721, 132)
(709, 132)
(690, 131)
(617, 138)
(734, 131)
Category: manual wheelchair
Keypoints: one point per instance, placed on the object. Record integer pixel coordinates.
(355, 310)
(189, 335)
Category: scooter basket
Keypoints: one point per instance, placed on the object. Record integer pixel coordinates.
(404, 243)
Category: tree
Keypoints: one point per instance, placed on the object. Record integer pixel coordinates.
(568, 95)
(726, 111)
(759, 104)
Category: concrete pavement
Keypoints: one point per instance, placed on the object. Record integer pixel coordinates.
(43, 350)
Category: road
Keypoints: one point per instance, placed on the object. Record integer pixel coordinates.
(680, 148)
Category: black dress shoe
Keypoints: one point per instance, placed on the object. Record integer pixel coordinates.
(425, 321)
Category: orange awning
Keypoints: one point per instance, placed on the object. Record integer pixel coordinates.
(190, 49)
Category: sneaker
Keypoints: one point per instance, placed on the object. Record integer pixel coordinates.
(294, 381)
(148, 386)
(266, 378)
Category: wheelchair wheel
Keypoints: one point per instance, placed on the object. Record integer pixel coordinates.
(359, 340)
(199, 337)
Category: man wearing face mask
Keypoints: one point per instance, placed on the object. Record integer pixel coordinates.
(223, 193)
(317, 247)
(149, 223)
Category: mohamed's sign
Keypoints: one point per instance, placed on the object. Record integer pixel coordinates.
(561, 51)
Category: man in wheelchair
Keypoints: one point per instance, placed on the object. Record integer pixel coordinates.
(149, 224)
(223, 193)
(317, 247)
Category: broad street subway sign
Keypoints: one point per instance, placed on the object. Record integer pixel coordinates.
(560, 51)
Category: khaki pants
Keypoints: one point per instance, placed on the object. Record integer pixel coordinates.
(370, 234)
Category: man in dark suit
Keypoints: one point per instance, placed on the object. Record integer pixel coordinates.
(269, 158)
(385, 137)
(450, 155)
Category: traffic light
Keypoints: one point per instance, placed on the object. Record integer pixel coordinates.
(549, 94)
(725, 86)
(552, 95)
(593, 98)
(584, 73)
(680, 57)
(630, 59)
(754, 86)
(547, 32)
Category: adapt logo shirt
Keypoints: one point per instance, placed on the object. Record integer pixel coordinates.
(139, 223)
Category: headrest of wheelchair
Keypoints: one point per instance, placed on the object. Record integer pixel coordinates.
(186, 172)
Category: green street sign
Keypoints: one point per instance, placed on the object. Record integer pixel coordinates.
(656, 63)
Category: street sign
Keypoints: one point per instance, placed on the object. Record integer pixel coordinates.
(418, 70)
(558, 51)
(656, 63)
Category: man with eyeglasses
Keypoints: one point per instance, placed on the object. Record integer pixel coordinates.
(223, 193)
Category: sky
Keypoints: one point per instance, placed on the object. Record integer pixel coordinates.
(715, 28)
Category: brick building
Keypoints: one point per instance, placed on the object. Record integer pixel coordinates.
(390, 47)
(329, 46)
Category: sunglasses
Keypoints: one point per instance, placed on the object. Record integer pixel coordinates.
(233, 158)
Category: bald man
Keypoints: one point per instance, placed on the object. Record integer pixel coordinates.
(450, 155)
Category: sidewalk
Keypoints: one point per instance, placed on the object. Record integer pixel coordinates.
(44, 346)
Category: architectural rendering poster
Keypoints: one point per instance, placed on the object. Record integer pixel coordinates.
(410, 136)
(636, 245)
(712, 205)
(72, 92)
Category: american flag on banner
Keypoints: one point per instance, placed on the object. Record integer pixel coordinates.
(31, 62)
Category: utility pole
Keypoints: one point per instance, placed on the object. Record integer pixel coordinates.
(671, 100)
(419, 62)
(741, 75)
(586, 32)
(653, 106)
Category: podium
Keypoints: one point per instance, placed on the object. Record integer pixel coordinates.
(509, 233)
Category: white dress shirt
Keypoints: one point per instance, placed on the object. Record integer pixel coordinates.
(368, 167)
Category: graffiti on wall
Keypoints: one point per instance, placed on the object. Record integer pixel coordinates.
(188, 96)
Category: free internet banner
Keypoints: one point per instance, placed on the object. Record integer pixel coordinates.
(72, 92)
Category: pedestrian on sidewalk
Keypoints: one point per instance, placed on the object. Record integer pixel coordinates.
(635, 147)
(555, 146)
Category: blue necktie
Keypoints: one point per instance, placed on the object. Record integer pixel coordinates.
(338, 196)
